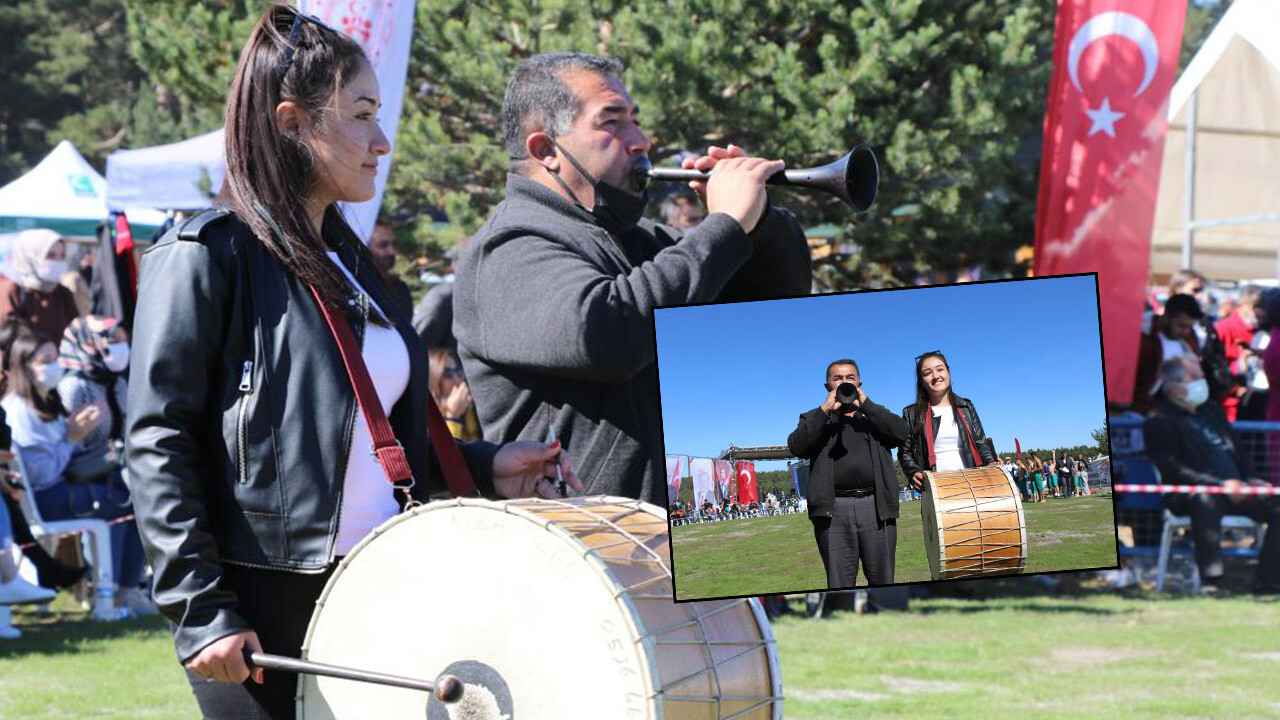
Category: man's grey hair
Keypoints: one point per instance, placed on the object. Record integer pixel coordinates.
(1174, 370)
(539, 99)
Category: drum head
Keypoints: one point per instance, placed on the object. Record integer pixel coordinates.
(497, 597)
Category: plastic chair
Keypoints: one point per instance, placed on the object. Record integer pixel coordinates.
(1174, 523)
(95, 535)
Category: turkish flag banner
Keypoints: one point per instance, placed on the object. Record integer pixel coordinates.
(675, 463)
(1114, 62)
(746, 482)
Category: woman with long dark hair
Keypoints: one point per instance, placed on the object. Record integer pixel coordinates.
(46, 437)
(248, 452)
(945, 432)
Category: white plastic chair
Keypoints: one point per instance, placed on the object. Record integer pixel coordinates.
(95, 535)
(1174, 523)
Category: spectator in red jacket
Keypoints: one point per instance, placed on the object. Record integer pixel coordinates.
(1236, 333)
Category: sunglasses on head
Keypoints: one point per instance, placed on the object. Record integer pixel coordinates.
(286, 61)
(925, 355)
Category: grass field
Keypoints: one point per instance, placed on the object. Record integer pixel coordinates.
(767, 556)
(1089, 655)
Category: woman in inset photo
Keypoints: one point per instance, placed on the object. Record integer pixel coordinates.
(952, 439)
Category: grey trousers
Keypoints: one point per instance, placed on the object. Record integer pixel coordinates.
(853, 533)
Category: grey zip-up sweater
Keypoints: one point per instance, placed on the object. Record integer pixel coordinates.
(554, 320)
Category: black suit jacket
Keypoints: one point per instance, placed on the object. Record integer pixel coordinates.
(818, 435)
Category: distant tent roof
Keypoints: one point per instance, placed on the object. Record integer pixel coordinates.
(1236, 75)
(760, 452)
(179, 176)
(64, 193)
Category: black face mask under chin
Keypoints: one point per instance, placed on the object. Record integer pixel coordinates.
(616, 209)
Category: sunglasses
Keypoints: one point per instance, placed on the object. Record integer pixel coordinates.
(925, 355)
(452, 373)
(286, 61)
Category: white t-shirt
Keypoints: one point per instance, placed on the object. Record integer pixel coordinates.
(946, 446)
(368, 500)
(1169, 349)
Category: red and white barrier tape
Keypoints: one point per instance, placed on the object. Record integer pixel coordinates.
(1197, 489)
(69, 533)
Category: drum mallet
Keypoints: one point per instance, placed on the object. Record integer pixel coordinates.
(446, 688)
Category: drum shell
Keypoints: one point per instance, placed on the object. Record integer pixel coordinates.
(688, 660)
(974, 525)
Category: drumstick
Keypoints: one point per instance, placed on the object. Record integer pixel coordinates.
(560, 486)
(447, 688)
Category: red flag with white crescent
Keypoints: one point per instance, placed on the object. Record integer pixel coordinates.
(1114, 62)
(1018, 446)
(675, 464)
(747, 482)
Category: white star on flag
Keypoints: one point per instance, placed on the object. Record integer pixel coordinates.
(1104, 119)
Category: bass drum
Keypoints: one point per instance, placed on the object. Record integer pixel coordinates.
(973, 524)
(544, 609)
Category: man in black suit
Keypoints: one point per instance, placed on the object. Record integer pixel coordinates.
(853, 488)
(1064, 475)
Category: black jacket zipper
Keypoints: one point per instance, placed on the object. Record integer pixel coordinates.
(242, 432)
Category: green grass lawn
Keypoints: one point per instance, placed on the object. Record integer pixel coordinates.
(767, 556)
(1092, 655)
(66, 666)
(1100, 656)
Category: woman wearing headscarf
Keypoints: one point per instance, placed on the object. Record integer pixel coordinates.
(39, 260)
(94, 355)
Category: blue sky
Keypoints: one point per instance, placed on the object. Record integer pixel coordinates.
(1026, 352)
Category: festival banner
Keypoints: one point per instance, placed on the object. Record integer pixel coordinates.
(800, 478)
(702, 470)
(1114, 62)
(384, 29)
(675, 464)
(747, 482)
(724, 480)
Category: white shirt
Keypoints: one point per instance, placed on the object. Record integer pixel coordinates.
(1169, 349)
(368, 500)
(946, 447)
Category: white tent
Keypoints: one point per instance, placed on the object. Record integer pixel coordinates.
(64, 193)
(179, 176)
(1223, 217)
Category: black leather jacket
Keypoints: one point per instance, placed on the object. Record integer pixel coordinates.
(913, 456)
(240, 420)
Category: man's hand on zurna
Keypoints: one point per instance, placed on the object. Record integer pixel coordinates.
(737, 184)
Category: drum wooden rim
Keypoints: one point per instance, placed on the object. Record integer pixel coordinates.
(632, 616)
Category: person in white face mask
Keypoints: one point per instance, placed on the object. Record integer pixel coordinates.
(1192, 443)
(35, 297)
(46, 438)
(94, 355)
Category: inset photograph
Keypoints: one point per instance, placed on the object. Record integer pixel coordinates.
(887, 437)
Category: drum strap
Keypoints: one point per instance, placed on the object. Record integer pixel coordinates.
(928, 438)
(386, 448)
